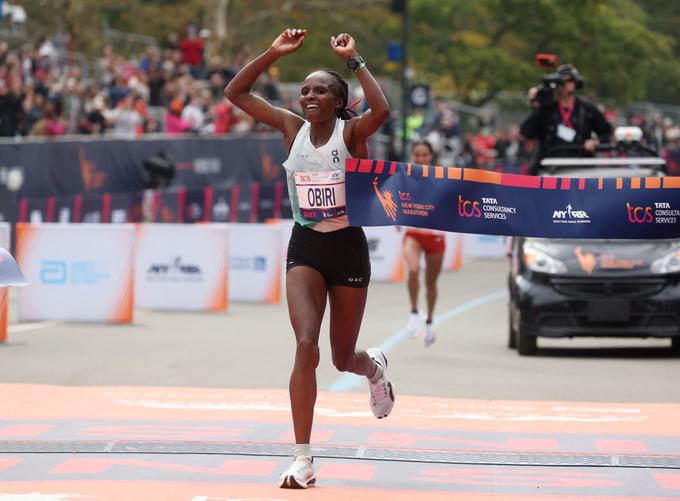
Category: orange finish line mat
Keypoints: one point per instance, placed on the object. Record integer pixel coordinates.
(62, 443)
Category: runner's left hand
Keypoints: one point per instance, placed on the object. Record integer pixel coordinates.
(343, 45)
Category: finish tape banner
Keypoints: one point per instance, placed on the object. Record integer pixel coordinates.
(492, 203)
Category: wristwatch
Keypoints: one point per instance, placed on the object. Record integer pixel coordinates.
(355, 63)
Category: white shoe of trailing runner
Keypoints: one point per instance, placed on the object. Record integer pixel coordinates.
(382, 391)
(430, 337)
(300, 474)
(414, 324)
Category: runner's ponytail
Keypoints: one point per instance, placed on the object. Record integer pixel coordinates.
(341, 91)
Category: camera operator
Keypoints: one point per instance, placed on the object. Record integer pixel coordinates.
(561, 118)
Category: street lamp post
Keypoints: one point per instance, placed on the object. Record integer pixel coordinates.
(404, 79)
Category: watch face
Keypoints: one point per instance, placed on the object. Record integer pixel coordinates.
(354, 62)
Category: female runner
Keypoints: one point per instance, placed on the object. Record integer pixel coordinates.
(327, 258)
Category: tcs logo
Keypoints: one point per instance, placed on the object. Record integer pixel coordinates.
(467, 208)
(639, 214)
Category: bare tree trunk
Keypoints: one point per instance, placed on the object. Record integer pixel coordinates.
(221, 20)
(216, 18)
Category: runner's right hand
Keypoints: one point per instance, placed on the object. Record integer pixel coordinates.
(288, 41)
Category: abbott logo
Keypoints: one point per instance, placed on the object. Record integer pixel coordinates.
(53, 272)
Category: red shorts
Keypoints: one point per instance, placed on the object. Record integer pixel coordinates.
(432, 243)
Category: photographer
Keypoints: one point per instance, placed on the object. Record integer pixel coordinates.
(561, 120)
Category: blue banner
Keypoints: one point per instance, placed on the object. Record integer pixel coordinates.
(66, 168)
(70, 167)
(492, 203)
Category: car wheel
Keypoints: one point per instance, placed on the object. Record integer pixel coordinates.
(675, 345)
(526, 343)
(512, 334)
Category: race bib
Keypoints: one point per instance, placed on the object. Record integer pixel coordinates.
(565, 133)
(321, 195)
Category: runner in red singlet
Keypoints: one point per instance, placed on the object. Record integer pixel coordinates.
(431, 243)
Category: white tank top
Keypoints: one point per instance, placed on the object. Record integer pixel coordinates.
(316, 180)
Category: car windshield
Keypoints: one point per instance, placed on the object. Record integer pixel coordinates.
(606, 172)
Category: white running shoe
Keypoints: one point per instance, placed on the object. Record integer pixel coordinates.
(429, 335)
(415, 324)
(300, 475)
(382, 391)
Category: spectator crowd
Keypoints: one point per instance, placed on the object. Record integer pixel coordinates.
(46, 91)
(172, 88)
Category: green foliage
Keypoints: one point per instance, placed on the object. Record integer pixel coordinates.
(626, 49)
(486, 46)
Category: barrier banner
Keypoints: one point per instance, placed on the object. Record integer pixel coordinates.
(245, 197)
(91, 208)
(492, 203)
(385, 251)
(219, 204)
(167, 206)
(5, 236)
(69, 167)
(285, 227)
(181, 267)
(63, 208)
(122, 207)
(269, 200)
(453, 255)
(255, 263)
(79, 272)
(485, 246)
(9, 203)
(33, 210)
(194, 206)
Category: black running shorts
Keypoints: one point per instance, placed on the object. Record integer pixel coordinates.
(341, 256)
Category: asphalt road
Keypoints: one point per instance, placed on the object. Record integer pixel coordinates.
(252, 346)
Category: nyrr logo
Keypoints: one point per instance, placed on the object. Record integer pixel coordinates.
(176, 270)
(467, 208)
(569, 213)
(639, 214)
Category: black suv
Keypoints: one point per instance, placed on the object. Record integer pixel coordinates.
(616, 288)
